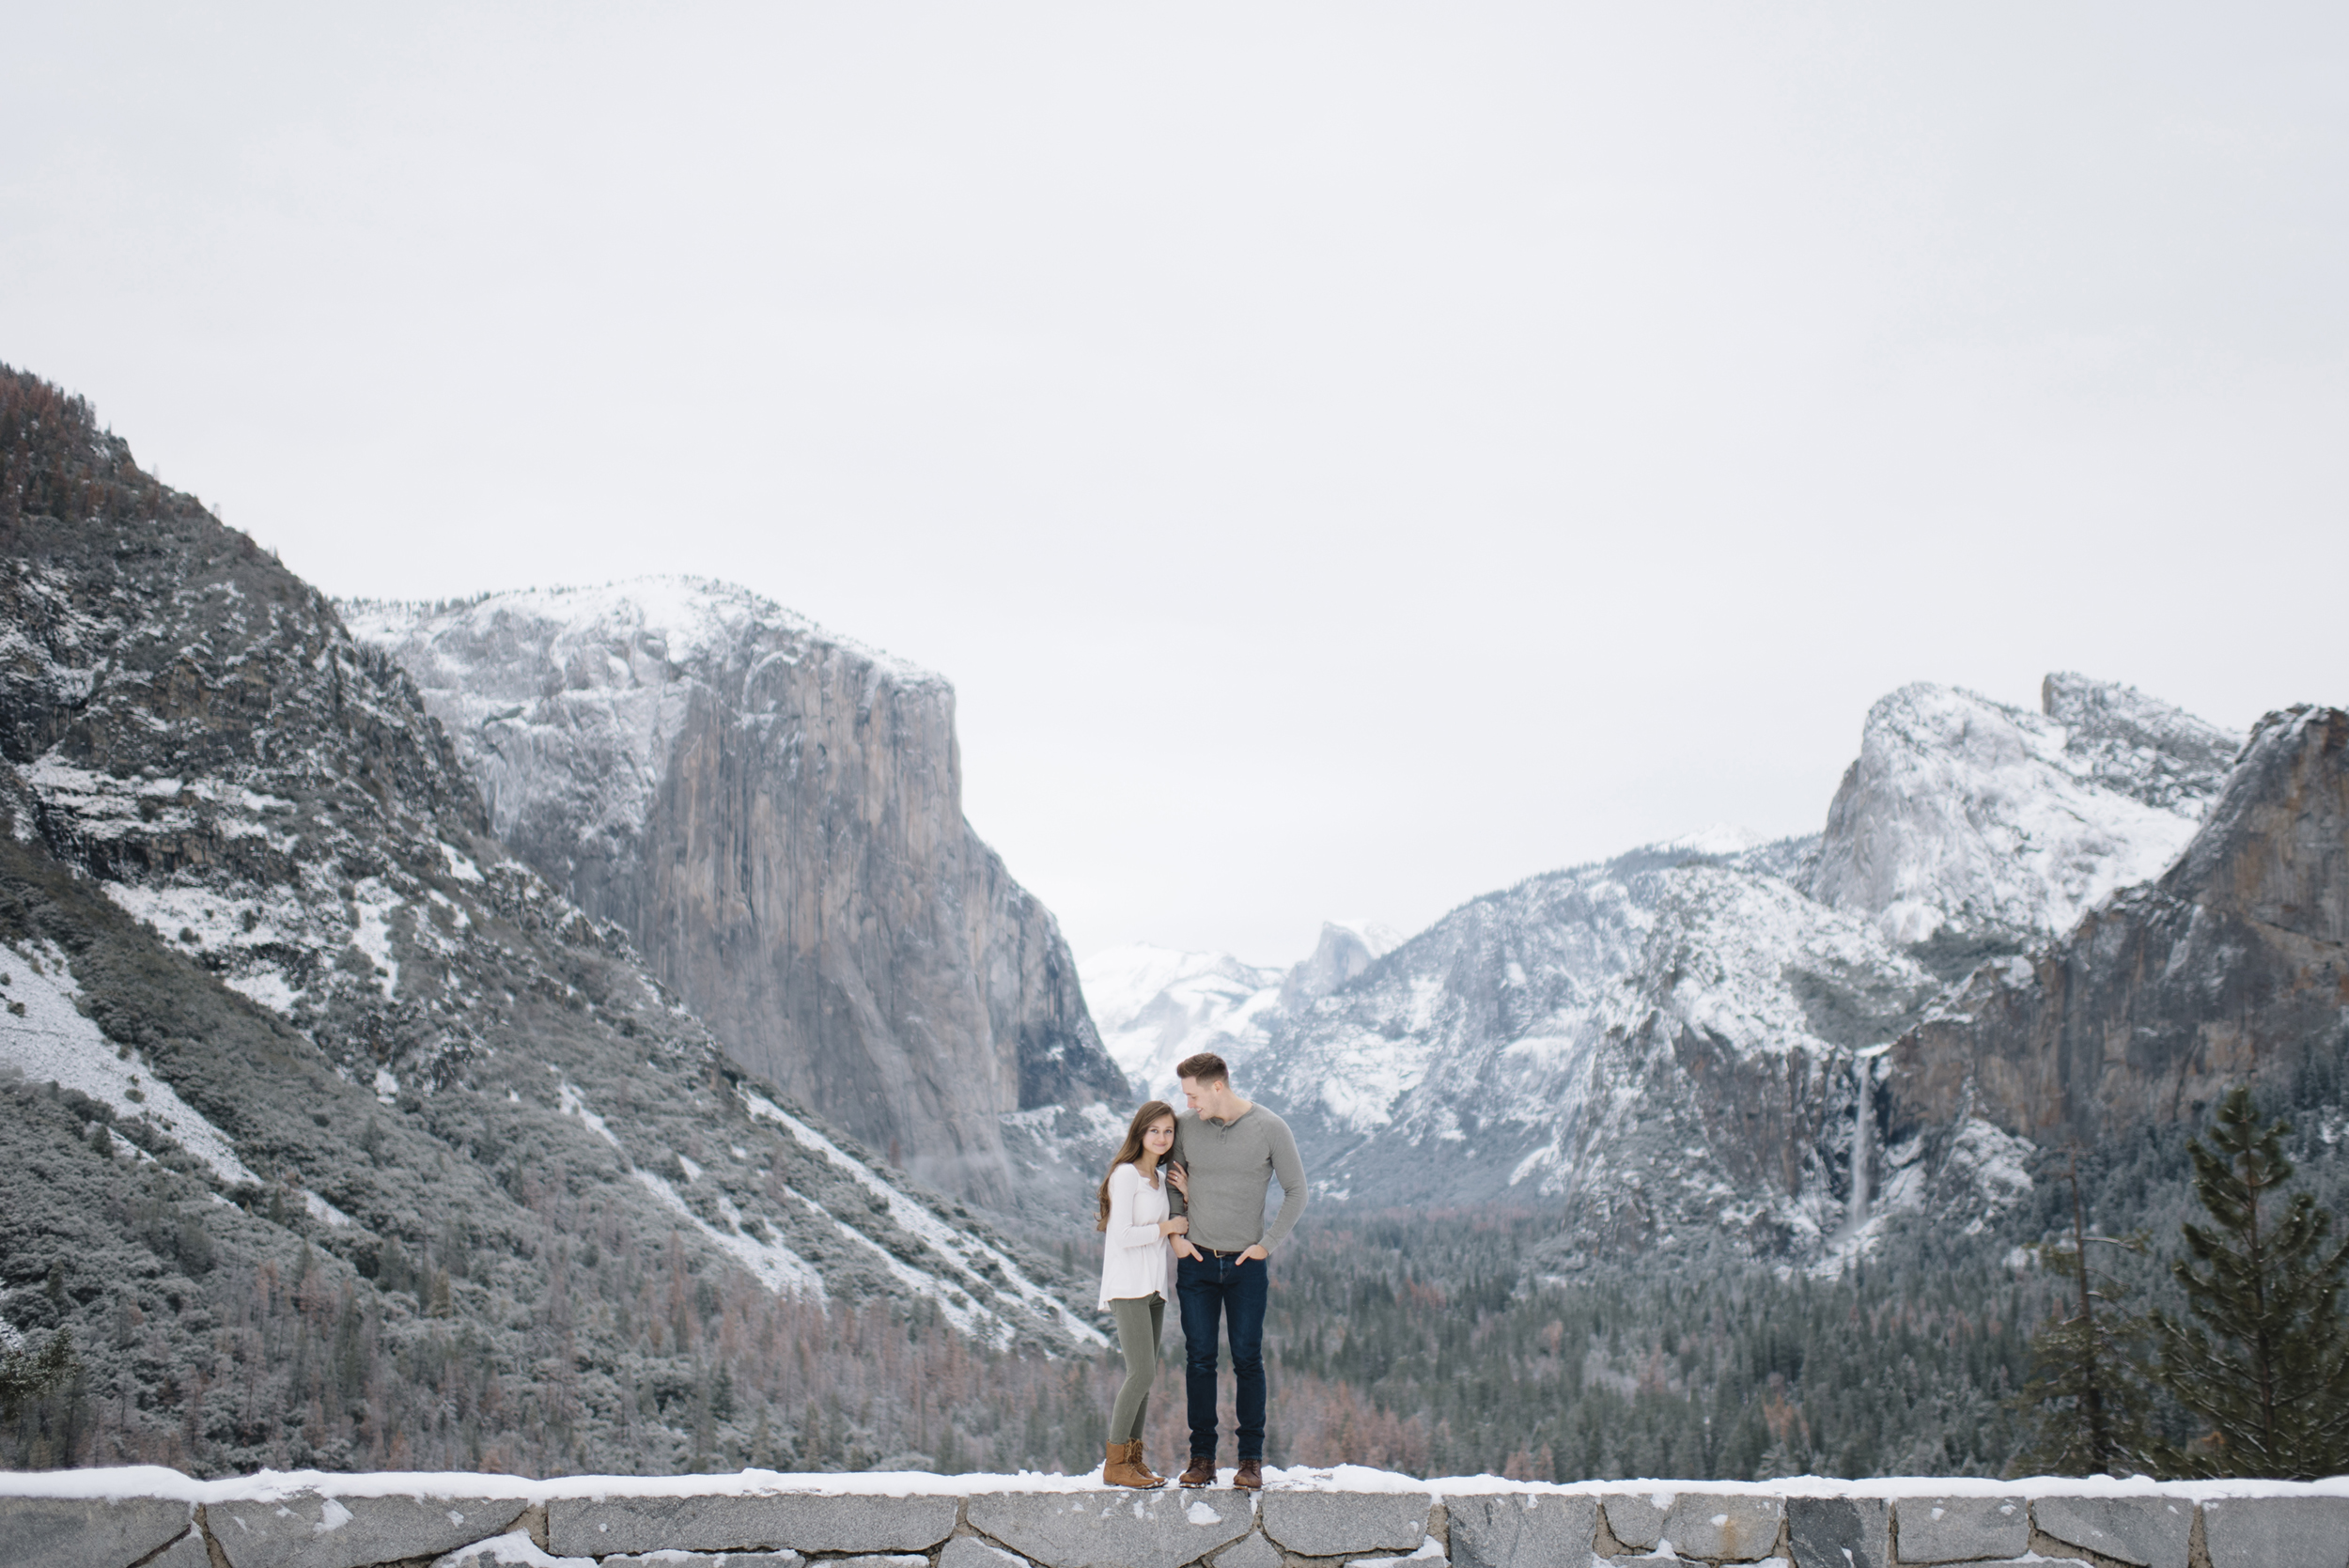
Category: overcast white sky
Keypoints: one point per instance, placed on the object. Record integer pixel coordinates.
(1348, 457)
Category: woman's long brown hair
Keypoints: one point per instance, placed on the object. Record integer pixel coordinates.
(1129, 1152)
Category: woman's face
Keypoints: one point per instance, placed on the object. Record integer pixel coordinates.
(1158, 1137)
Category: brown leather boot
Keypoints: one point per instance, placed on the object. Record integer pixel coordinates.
(1201, 1471)
(1133, 1457)
(1249, 1476)
(1119, 1469)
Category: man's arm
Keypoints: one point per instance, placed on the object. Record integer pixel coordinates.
(1177, 1201)
(1290, 1172)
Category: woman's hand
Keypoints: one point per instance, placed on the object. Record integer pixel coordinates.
(1180, 1179)
(1177, 1226)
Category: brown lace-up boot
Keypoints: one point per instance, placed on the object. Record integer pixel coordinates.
(1119, 1469)
(1250, 1477)
(1201, 1471)
(1134, 1456)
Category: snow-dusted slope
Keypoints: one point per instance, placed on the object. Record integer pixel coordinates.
(1981, 828)
(271, 929)
(773, 815)
(1440, 1065)
(1535, 1043)
(45, 1036)
(1717, 1095)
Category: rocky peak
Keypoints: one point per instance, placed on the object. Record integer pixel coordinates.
(2137, 745)
(1968, 829)
(2275, 846)
(1344, 950)
(773, 815)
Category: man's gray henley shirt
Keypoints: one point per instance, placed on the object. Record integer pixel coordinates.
(1232, 1164)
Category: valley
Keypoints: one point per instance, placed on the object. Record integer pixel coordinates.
(577, 1030)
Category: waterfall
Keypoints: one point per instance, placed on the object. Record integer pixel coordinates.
(1862, 1129)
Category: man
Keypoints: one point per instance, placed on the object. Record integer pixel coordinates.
(1227, 1151)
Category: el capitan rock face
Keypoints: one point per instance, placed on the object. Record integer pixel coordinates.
(2234, 966)
(774, 816)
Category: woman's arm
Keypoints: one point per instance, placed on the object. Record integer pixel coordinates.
(1124, 1192)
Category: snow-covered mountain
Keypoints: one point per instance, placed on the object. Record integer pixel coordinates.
(304, 1011)
(774, 816)
(1157, 1005)
(1689, 1040)
(1968, 827)
(1667, 1037)
(2230, 967)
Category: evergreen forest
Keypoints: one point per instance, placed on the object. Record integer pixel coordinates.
(1432, 1343)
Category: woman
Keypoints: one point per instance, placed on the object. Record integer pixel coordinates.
(1137, 1278)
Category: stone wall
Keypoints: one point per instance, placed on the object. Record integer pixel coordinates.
(1347, 1518)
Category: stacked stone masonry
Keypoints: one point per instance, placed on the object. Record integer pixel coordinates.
(1305, 1519)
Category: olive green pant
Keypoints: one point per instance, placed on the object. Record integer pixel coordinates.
(1139, 1320)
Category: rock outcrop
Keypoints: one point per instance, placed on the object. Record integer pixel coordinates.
(774, 817)
(1968, 830)
(2232, 967)
(1344, 950)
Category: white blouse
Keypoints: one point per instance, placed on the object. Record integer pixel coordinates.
(1135, 1259)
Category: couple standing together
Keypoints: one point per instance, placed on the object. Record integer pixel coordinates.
(1183, 1210)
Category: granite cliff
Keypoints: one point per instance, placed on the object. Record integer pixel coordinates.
(774, 816)
(2230, 967)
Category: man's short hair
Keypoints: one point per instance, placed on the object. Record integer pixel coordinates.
(1205, 1067)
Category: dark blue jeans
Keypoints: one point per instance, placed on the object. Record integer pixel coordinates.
(1209, 1289)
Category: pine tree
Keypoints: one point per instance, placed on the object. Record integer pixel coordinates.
(25, 1378)
(45, 1400)
(2267, 1363)
(2086, 1391)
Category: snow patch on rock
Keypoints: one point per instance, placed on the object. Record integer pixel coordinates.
(980, 1264)
(46, 1037)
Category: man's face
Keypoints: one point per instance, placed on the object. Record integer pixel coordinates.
(1205, 1096)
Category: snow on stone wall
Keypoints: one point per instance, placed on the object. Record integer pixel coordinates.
(1350, 1516)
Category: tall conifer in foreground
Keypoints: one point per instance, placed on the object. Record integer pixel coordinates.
(2086, 1391)
(2266, 1363)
